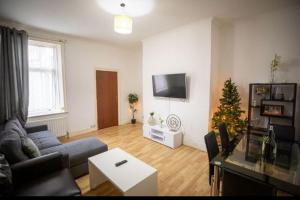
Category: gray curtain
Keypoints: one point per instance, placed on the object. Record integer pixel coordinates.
(14, 89)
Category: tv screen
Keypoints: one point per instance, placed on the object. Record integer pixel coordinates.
(169, 85)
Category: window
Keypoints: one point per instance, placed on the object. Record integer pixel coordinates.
(46, 94)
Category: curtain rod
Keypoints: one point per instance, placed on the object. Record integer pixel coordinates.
(31, 34)
(46, 38)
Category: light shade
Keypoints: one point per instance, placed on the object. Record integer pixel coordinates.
(123, 24)
(134, 8)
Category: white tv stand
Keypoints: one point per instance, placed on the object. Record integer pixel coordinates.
(163, 135)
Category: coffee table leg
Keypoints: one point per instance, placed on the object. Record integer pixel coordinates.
(147, 187)
(96, 176)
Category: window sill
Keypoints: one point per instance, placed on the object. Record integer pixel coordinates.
(47, 114)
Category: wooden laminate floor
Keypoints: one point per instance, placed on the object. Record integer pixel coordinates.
(181, 172)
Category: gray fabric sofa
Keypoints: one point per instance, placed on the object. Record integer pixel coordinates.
(75, 153)
(78, 151)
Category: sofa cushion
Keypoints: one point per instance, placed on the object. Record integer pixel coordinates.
(79, 151)
(11, 147)
(59, 183)
(6, 185)
(30, 148)
(14, 124)
(44, 139)
(79, 170)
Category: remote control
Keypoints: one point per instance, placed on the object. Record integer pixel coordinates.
(121, 163)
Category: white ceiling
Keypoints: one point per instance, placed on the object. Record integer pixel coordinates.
(91, 18)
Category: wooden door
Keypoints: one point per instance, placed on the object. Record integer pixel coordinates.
(107, 99)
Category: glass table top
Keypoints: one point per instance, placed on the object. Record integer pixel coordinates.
(248, 156)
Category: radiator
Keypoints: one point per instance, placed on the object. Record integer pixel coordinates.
(57, 125)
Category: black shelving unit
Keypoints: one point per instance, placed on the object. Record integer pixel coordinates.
(271, 103)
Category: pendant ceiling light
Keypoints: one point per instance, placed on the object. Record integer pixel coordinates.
(123, 23)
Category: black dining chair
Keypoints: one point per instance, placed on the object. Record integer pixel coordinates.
(212, 151)
(224, 137)
(284, 133)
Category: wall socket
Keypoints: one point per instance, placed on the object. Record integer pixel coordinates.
(93, 126)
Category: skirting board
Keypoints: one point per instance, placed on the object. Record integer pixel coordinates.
(93, 129)
(82, 132)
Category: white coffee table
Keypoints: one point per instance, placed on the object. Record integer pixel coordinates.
(134, 178)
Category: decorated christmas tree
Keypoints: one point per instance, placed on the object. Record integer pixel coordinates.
(229, 111)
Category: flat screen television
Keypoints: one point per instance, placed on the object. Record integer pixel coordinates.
(169, 85)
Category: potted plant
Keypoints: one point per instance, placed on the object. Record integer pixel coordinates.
(161, 121)
(151, 120)
(274, 67)
(133, 99)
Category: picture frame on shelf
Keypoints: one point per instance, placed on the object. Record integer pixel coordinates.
(262, 90)
(272, 110)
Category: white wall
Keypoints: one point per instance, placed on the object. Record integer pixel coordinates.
(215, 68)
(82, 58)
(186, 49)
(248, 46)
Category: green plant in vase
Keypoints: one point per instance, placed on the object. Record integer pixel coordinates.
(275, 66)
(161, 121)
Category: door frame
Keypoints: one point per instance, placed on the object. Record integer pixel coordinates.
(95, 83)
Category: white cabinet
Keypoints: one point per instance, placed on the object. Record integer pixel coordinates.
(163, 135)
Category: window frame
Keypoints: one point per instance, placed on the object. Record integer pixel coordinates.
(60, 45)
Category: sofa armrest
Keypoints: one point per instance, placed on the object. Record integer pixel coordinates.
(33, 129)
(36, 167)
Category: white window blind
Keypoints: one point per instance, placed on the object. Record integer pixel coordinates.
(46, 94)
